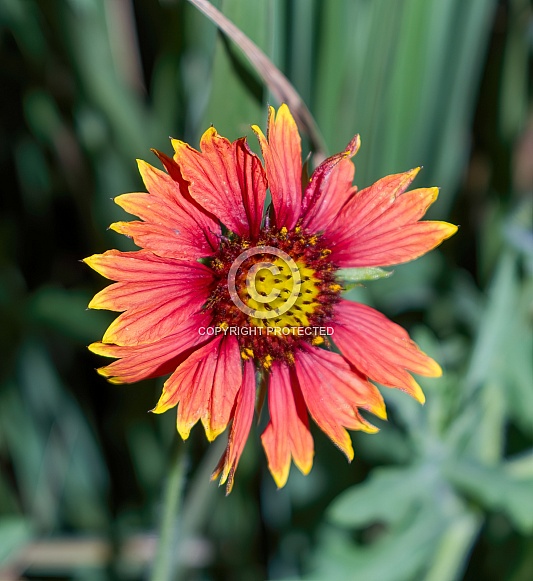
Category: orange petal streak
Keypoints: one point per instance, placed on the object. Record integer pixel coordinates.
(205, 386)
(135, 266)
(154, 359)
(329, 188)
(225, 178)
(121, 296)
(242, 414)
(398, 246)
(287, 433)
(252, 182)
(333, 393)
(379, 225)
(381, 349)
(137, 327)
(161, 240)
(282, 152)
(170, 205)
(156, 294)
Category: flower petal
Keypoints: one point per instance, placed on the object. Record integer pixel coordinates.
(282, 152)
(137, 265)
(333, 393)
(155, 359)
(379, 225)
(137, 327)
(156, 293)
(160, 240)
(287, 433)
(225, 178)
(192, 230)
(132, 294)
(253, 185)
(329, 188)
(205, 386)
(381, 349)
(242, 414)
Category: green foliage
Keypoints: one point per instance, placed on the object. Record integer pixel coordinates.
(456, 474)
(443, 492)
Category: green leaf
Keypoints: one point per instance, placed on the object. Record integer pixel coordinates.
(521, 466)
(236, 93)
(497, 488)
(519, 368)
(14, 533)
(354, 275)
(387, 496)
(488, 356)
(398, 555)
(454, 547)
(254, 15)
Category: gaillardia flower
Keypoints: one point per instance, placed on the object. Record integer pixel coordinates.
(227, 295)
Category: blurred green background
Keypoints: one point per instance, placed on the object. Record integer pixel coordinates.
(444, 491)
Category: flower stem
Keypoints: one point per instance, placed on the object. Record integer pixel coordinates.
(166, 560)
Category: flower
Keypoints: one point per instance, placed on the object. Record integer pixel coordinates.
(224, 295)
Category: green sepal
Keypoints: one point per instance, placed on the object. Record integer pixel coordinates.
(351, 276)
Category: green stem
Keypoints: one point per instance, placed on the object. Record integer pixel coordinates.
(166, 561)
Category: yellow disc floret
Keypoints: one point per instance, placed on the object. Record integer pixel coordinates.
(276, 286)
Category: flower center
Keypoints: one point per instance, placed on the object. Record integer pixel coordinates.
(275, 294)
(272, 290)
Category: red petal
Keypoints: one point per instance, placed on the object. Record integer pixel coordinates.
(156, 293)
(282, 153)
(381, 349)
(136, 327)
(252, 182)
(333, 393)
(162, 240)
(379, 225)
(205, 386)
(121, 296)
(152, 208)
(154, 359)
(160, 234)
(329, 189)
(139, 265)
(242, 414)
(170, 198)
(287, 433)
(225, 178)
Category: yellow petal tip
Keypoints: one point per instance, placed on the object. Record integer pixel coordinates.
(305, 467)
(160, 408)
(258, 132)
(115, 380)
(90, 260)
(212, 433)
(95, 348)
(380, 411)
(117, 226)
(449, 229)
(178, 145)
(102, 371)
(184, 430)
(435, 370)
(280, 478)
(369, 429)
(95, 304)
(415, 391)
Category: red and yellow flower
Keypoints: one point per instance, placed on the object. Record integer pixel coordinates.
(199, 219)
